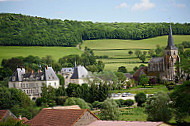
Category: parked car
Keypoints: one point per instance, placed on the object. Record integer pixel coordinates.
(129, 94)
(119, 94)
(124, 94)
(114, 95)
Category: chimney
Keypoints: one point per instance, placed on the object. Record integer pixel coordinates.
(20, 117)
(32, 71)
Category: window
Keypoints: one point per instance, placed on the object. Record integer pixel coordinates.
(49, 83)
(54, 83)
(26, 85)
(14, 85)
(174, 52)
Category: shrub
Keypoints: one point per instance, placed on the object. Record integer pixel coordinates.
(120, 102)
(128, 102)
(77, 101)
(97, 104)
(60, 100)
(140, 98)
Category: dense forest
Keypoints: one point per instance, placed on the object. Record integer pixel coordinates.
(22, 30)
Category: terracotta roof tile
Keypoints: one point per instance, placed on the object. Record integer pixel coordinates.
(57, 117)
(124, 123)
(3, 113)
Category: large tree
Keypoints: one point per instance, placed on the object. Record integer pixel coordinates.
(181, 100)
(157, 107)
(109, 110)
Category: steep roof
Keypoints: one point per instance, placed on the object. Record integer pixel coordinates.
(58, 117)
(47, 75)
(170, 45)
(124, 123)
(156, 59)
(79, 72)
(50, 74)
(67, 70)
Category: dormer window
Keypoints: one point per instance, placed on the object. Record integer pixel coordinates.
(13, 78)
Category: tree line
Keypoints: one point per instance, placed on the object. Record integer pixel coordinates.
(22, 30)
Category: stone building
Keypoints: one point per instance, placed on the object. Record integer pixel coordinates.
(77, 75)
(32, 82)
(162, 67)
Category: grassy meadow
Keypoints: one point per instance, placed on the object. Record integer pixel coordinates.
(117, 50)
(7, 52)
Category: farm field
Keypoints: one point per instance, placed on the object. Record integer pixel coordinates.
(57, 52)
(117, 50)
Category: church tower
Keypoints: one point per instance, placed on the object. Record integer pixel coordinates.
(171, 57)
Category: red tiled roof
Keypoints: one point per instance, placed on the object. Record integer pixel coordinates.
(124, 123)
(3, 113)
(24, 119)
(57, 117)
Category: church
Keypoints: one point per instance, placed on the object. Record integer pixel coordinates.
(162, 67)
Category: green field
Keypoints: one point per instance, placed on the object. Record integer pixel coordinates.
(117, 50)
(57, 52)
(146, 90)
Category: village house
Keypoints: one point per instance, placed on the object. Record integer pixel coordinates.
(31, 82)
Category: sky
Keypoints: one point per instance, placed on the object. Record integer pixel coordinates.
(177, 11)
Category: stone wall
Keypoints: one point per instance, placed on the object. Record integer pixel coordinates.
(86, 119)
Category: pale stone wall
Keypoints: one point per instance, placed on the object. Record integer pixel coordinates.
(86, 119)
(54, 84)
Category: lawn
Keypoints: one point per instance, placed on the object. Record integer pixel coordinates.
(57, 52)
(133, 114)
(117, 50)
(146, 90)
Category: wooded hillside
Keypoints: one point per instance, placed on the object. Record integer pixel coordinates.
(17, 29)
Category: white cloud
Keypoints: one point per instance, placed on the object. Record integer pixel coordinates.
(122, 5)
(143, 5)
(177, 4)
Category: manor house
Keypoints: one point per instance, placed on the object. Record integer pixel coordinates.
(31, 82)
(163, 67)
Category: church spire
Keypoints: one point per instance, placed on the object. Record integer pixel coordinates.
(170, 40)
(75, 62)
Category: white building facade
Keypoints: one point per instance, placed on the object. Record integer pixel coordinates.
(31, 83)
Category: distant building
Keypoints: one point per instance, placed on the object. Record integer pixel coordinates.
(77, 75)
(31, 82)
(162, 67)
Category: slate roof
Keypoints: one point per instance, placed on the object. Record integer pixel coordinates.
(170, 45)
(50, 74)
(47, 75)
(124, 123)
(67, 70)
(79, 72)
(58, 117)
(156, 59)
